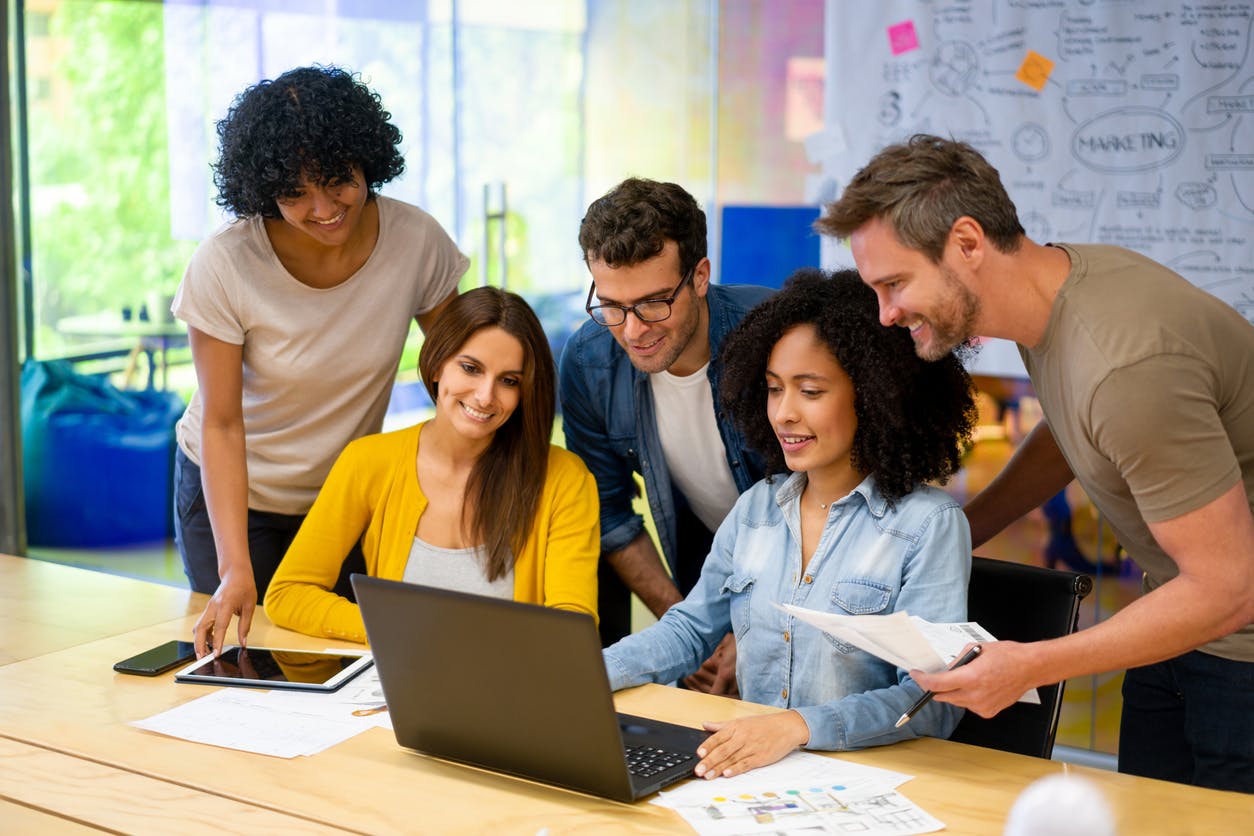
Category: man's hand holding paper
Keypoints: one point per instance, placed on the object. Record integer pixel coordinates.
(919, 646)
(997, 679)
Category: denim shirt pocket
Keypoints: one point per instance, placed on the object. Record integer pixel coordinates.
(860, 597)
(740, 589)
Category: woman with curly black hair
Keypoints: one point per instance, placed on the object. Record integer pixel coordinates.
(820, 388)
(297, 313)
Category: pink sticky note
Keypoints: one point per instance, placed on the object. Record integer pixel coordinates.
(902, 37)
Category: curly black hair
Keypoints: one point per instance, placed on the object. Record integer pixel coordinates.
(318, 122)
(914, 417)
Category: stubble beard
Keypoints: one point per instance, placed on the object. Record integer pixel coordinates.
(679, 339)
(956, 324)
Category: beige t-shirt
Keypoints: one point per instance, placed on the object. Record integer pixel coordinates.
(318, 363)
(1148, 385)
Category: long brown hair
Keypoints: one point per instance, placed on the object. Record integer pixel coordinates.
(507, 481)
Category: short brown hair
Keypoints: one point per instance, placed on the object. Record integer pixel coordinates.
(633, 221)
(508, 480)
(920, 187)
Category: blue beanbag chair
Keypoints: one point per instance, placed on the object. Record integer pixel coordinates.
(97, 460)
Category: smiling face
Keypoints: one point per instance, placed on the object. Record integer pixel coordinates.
(810, 404)
(928, 299)
(678, 344)
(479, 387)
(328, 213)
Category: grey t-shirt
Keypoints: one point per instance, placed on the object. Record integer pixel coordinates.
(1148, 386)
(318, 363)
(457, 569)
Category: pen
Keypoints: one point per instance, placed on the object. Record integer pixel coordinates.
(927, 695)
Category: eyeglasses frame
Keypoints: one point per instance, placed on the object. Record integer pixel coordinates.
(626, 309)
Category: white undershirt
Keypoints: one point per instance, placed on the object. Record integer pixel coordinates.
(695, 456)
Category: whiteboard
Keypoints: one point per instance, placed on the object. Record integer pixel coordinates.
(1127, 122)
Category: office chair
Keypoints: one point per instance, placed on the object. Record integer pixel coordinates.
(1022, 603)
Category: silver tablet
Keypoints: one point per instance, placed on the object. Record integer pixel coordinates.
(272, 667)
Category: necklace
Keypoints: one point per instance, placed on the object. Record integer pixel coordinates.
(823, 506)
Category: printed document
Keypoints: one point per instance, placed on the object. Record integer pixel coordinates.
(805, 793)
(907, 641)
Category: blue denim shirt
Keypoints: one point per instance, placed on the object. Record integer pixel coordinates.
(607, 409)
(871, 558)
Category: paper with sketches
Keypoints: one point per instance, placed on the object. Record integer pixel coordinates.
(907, 641)
(803, 793)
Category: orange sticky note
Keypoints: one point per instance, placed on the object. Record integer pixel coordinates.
(1035, 70)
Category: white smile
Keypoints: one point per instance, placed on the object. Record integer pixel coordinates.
(331, 222)
(475, 413)
(795, 439)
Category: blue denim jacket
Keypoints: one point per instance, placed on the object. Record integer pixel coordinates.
(607, 416)
(871, 558)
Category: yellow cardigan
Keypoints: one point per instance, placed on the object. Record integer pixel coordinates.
(373, 488)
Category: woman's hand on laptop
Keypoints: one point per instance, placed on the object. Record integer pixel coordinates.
(737, 746)
(235, 596)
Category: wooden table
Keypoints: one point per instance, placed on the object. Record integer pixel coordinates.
(46, 607)
(63, 719)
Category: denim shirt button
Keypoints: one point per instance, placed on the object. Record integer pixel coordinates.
(808, 579)
(784, 693)
(787, 636)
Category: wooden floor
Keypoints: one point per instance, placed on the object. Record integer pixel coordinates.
(1090, 717)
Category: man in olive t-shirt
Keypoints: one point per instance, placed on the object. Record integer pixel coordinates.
(1147, 388)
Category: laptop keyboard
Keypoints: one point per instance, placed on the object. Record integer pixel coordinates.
(647, 761)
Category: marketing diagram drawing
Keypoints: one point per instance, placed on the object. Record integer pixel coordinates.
(1127, 122)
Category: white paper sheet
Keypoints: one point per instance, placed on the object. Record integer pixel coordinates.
(803, 793)
(251, 721)
(907, 641)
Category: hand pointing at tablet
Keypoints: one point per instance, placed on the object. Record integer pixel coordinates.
(234, 596)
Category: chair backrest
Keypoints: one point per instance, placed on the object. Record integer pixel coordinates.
(1022, 603)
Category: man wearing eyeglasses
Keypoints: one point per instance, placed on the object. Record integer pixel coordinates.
(639, 396)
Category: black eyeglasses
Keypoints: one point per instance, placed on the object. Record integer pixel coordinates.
(646, 310)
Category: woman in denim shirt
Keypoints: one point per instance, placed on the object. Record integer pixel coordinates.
(821, 389)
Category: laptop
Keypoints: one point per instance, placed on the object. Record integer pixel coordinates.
(514, 688)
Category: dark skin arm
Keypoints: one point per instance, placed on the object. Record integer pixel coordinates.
(1034, 473)
(224, 472)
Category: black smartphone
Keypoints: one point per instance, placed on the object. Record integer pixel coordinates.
(159, 659)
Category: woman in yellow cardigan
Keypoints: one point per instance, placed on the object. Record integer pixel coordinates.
(475, 499)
